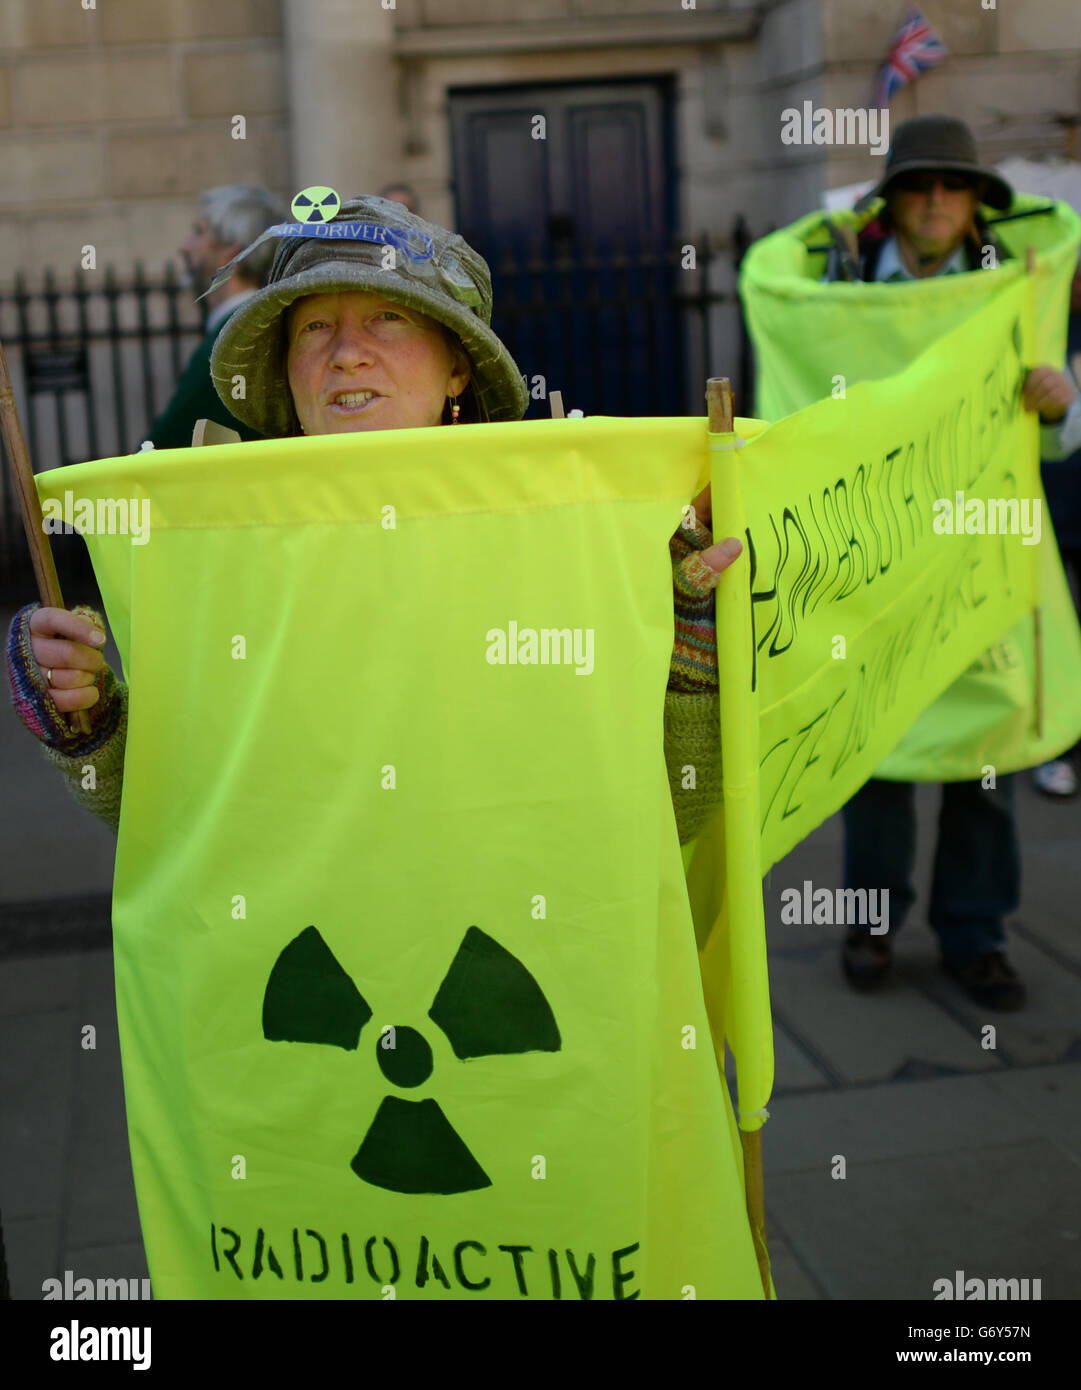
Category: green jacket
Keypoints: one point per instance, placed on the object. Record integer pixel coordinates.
(195, 399)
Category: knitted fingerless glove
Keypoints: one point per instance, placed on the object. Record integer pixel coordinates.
(694, 655)
(33, 703)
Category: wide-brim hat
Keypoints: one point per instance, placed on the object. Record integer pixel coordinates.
(938, 142)
(371, 245)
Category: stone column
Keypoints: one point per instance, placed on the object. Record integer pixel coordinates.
(342, 82)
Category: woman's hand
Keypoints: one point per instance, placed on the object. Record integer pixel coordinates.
(67, 648)
(1049, 393)
(697, 565)
(721, 555)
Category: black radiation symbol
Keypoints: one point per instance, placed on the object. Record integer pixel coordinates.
(488, 1005)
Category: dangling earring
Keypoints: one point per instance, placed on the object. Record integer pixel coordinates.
(454, 408)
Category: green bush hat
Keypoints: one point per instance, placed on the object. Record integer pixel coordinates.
(432, 270)
(937, 142)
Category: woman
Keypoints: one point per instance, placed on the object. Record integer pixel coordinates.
(384, 327)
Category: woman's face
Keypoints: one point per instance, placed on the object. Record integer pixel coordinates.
(357, 361)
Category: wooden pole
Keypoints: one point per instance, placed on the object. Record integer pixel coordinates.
(756, 1200)
(720, 404)
(555, 400)
(1037, 612)
(30, 506)
(721, 408)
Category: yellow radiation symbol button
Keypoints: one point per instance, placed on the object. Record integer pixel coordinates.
(315, 204)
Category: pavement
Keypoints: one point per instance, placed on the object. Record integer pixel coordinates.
(957, 1155)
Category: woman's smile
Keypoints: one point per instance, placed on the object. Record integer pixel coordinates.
(349, 403)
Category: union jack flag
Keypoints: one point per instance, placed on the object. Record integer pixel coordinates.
(916, 47)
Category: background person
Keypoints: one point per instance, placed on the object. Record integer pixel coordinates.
(934, 185)
(229, 218)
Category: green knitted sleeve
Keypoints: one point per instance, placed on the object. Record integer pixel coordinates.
(692, 751)
(95, 779)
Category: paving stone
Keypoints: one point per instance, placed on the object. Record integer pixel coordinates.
(37, 1053)
(1051, 1096)
(790, 1280)
(893, 1227)
(1043, 1031)
(120, 1261)
(99, 982)
(39, 984)
(101, 1207)
(47, 926)
(874, 1036)
(32, 1246)
(794, 1070)
(1050, 832)
(875, 1123)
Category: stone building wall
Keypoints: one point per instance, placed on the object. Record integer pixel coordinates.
(113, 118)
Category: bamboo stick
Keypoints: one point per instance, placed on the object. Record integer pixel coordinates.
(30, 507)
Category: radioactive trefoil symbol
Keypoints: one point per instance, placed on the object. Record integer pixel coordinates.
(315, 204)
(488, 1005)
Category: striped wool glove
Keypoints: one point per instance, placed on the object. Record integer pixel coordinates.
(694, 655)
(33, 703)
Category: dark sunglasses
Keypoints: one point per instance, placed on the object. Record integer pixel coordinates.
(923, 181)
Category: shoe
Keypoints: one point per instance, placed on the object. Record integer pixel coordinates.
(866, 959)
(990, 979)
(1056, 778)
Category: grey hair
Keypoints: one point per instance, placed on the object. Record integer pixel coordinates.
(236, 213)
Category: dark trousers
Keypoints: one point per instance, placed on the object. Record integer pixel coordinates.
(977, 874)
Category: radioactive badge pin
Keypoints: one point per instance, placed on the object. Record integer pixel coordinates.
(315, 204)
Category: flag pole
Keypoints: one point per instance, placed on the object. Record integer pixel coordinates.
(721, 408)
(30, 507)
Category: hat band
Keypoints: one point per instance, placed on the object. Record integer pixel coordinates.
(418, 247)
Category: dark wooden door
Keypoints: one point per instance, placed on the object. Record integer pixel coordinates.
(577, 229)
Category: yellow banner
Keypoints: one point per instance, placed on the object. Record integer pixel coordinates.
(813, 339)
(866, 587)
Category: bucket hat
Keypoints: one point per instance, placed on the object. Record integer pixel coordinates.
(938, 142)
(372, 245)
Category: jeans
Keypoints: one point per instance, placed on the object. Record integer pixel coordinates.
(977, 873)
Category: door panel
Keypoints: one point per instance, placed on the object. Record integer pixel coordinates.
(574, 212)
